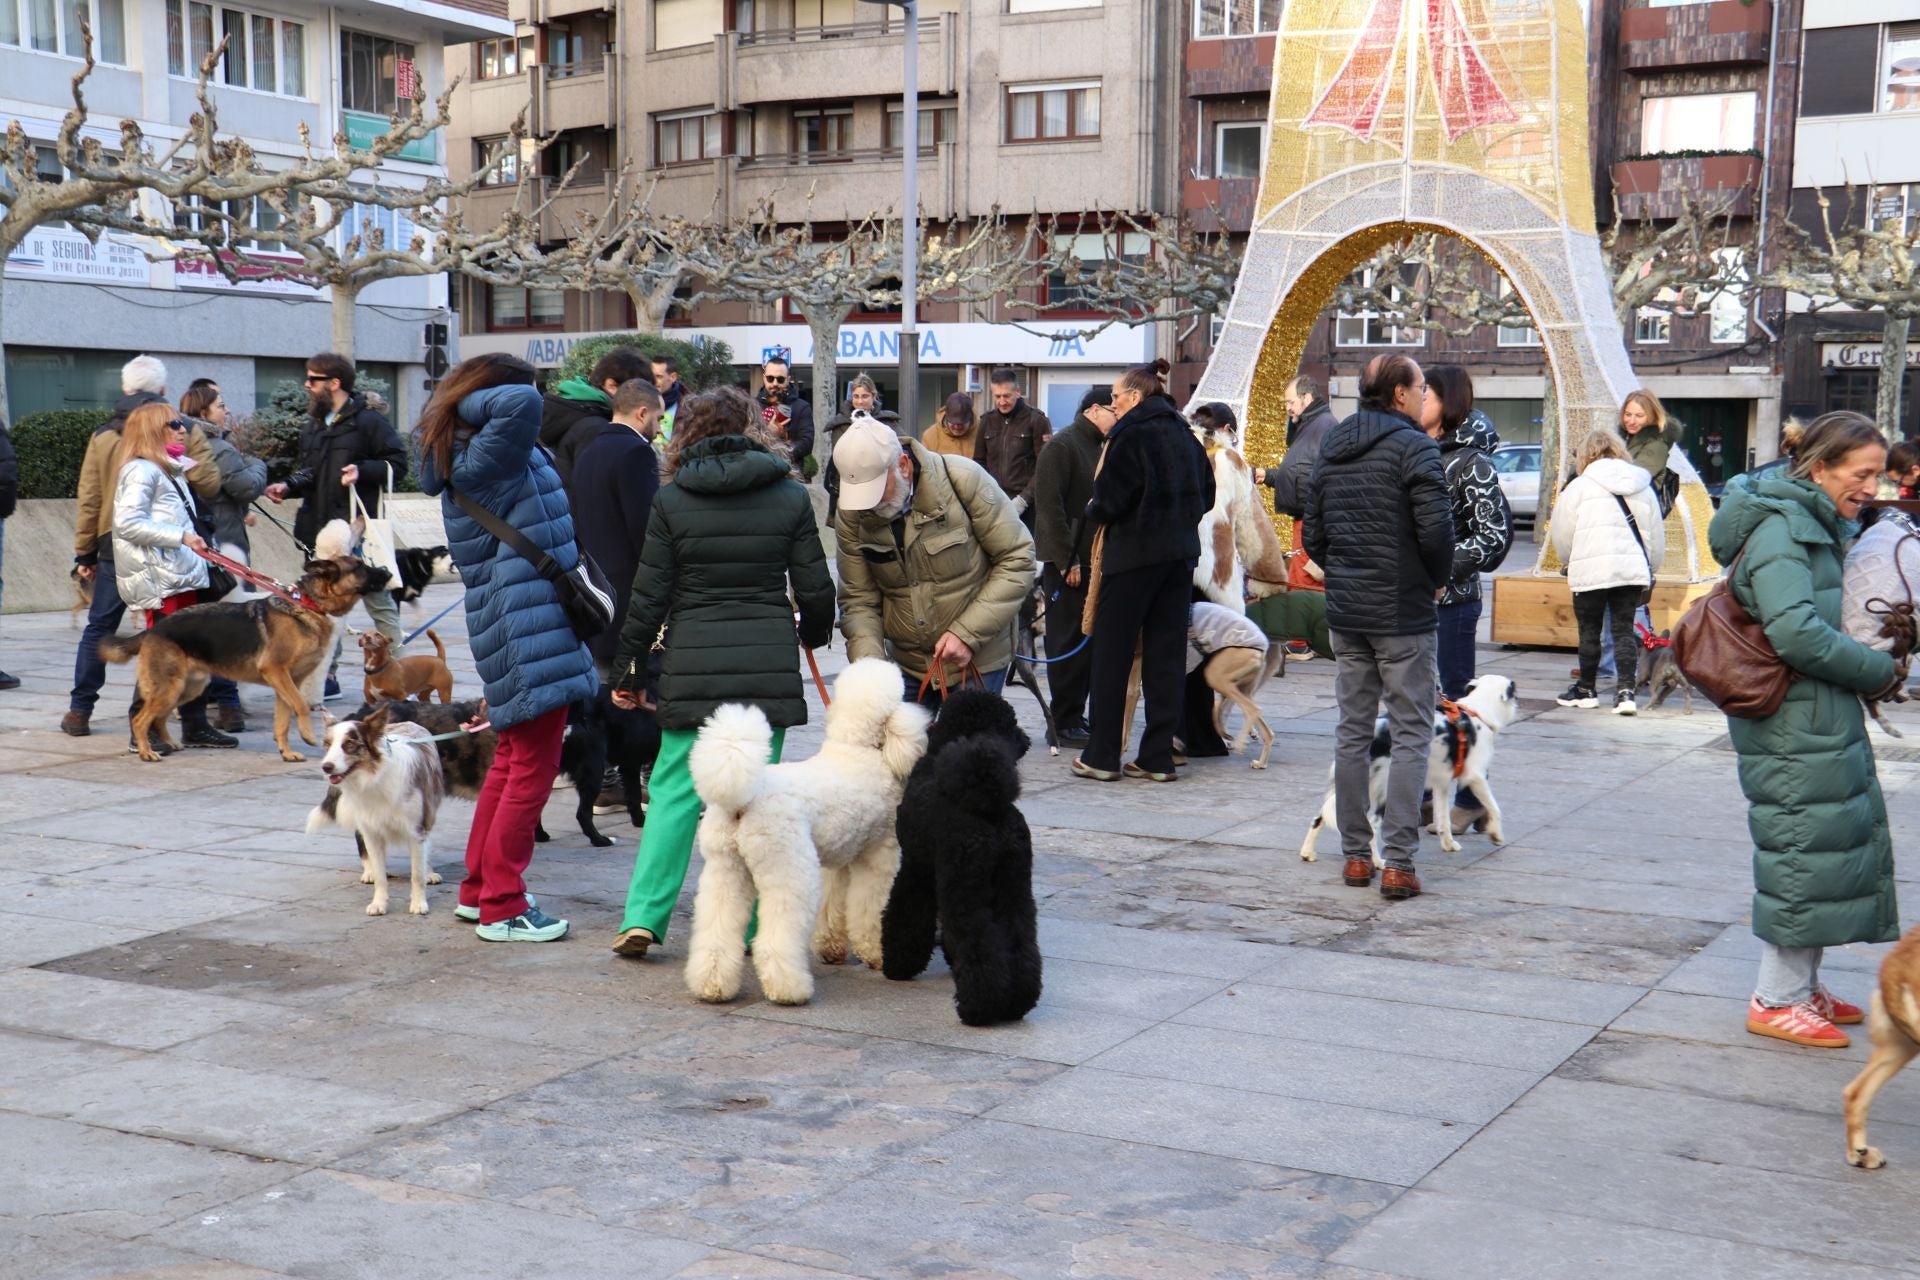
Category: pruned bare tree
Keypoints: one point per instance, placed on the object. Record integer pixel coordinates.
(1147, 271)
(759, 260)
(133, 189)
(1864, 267)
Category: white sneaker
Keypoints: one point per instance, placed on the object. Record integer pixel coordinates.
(1623, 703)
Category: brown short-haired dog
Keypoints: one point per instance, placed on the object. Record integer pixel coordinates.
(1894, 1024)
(403, 678)
(267, 641)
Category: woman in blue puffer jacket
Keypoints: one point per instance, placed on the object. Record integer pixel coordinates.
(479, 437)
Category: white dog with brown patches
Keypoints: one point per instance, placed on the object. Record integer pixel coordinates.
(390, 787)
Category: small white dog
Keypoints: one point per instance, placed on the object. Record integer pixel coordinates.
(390, 787)
(1461, 752)
(771, 830)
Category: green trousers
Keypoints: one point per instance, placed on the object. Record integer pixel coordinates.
(666, 843)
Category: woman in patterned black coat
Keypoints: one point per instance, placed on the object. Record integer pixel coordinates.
(1482, 521)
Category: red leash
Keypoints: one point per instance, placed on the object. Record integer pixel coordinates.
(246, 573)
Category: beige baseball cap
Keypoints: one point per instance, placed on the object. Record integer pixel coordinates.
(864, 455)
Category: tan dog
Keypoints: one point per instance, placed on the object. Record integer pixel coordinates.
(1894, 1023)
(401, 678)
(1236, 675)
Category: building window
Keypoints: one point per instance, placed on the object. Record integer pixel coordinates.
(1652, 328)
(686, 24)
(507, 171)
(578, 154)
(1366, 327)
(1727, 313)
(49, 27)
(1505, 335)
(1236, 148)
(1049, 112)
(507, 56)
(1697, 122)
(376, 73)
(1216, 18)
(1048, 6)
(690, 138)
(937, 125)
(1092, 248)
(391, 227)
(1900, 68)
(822, 136)
(514, 308)
(567, 52)
(263, 52)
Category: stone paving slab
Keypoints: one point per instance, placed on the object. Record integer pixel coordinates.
(1351, 1141)
(1526, 995)
(114, 1013)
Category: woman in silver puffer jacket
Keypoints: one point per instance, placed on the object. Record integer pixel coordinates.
(155, 563)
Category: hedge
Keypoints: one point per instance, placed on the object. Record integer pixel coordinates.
(50, 446)
(702, 365)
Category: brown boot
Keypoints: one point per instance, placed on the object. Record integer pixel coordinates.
(74, 724)
(1359, 872)
(1395, 883)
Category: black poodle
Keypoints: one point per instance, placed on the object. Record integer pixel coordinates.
(966, 864)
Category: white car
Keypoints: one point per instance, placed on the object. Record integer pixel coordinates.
(1518, 466)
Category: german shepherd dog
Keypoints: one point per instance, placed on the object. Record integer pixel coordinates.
(267, 641)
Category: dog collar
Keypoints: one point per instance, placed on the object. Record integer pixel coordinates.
(374, 671)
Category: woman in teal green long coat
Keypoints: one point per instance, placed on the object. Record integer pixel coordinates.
(1823, 854)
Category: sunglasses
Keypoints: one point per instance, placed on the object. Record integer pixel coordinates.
(775, 382)
(177, 425)
(312, 378)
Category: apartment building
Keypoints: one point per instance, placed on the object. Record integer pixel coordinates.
(1857, 143)
(1048, 106)
(75, 313)
(1686, 98)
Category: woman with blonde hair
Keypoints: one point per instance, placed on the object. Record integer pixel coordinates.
(156, 564)
(1607, 530)
(1650, 436)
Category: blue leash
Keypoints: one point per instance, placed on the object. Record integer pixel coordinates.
(1027, 657)
(413, 635)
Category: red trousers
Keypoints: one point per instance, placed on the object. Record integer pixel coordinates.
(500, 844)
(172, 604)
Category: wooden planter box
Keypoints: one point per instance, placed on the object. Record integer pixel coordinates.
(1534, 610)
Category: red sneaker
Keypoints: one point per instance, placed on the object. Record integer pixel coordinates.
(1836, 1010)
(1800, 1023)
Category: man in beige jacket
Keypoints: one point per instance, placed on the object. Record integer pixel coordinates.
(143, 380)
(934, 561)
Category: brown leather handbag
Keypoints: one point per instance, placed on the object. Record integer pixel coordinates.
(1727, 654)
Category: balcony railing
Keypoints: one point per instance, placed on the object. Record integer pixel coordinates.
(574, 70)
(809, 159)
(795, 35)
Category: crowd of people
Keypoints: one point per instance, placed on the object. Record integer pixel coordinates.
(694, 506)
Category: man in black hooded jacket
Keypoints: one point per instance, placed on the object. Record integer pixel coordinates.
(1379, 522)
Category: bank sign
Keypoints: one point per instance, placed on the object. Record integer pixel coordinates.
(940, 344)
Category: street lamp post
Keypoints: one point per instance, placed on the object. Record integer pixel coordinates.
(909, 221)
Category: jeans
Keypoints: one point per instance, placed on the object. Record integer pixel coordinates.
(1608, 670)
(1149, 605)
(1788, 975)
(1372, 673)
(500, 842)
(1067, 681)
(1454, 647)
(104, 616)
(992, 681)
(1616, 605)
(666, 842)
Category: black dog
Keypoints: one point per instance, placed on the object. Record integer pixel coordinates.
(966, 864)
(419, 566)
(599, 734)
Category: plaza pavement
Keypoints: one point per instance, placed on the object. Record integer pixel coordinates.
(213, 1064)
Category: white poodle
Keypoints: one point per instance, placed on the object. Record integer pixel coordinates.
(770, 831)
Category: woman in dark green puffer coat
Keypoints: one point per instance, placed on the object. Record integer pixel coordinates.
(1823, 854)
(728, 532)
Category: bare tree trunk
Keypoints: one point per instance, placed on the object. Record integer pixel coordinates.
(1893, 372)
(824, 322)
(6, 406)
(345, 299)
(651, 305)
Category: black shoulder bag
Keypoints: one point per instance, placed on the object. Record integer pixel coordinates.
(1634, 526)
(219, 582)
(584, 594)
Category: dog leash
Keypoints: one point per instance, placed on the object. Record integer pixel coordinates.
(263, 581)
(818, 683)
(307, 550)
(1027, 657)
(461, 732)
(423, 627)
